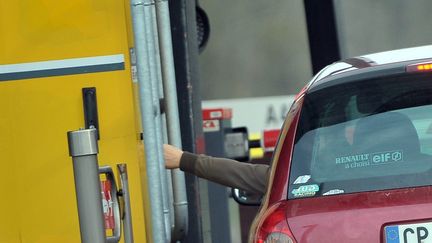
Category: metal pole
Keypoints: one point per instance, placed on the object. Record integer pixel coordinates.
(173, 122)
(156, 80)
(83, 149)
(149, 111)
(185, 51)
(160, 127)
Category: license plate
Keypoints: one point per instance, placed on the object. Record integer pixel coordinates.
(409, 233)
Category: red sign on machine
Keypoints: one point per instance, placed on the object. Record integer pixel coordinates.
(220, 114)
(212, 118)
(211, 125)
(107, 204)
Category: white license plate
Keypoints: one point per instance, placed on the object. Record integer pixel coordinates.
(409, 233)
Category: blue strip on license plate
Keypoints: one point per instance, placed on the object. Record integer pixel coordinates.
(409, 233)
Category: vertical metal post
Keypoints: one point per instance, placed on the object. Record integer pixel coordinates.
(156, 84)
(185, 50)
(172, 117)
(149, 113)
(83, 149)
(160, 121)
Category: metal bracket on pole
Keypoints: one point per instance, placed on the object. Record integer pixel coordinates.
(127, 213)
(83, 149)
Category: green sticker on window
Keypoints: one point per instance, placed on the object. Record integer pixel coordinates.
(306, 190)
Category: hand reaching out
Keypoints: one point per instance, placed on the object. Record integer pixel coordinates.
(172, 156)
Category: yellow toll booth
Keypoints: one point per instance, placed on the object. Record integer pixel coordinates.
(49, 51)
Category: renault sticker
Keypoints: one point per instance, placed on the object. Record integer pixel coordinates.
(352, 158)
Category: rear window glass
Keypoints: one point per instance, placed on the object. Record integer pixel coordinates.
(364, 136)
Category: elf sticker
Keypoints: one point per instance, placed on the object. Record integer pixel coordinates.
(387, 157)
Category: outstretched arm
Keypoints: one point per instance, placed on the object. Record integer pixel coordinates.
(228, 172)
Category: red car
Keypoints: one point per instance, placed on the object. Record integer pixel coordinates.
(353, 161)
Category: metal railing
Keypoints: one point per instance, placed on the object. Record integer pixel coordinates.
(153, 48)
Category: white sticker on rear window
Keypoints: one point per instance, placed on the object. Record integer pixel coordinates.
(302, 179)
(333, 192)
(305, 194)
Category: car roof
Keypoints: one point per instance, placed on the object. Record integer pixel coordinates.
(401, 55)
(375, 64)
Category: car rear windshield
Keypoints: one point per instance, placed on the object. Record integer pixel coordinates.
(364, 136)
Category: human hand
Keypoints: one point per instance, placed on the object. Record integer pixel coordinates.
(172, 156)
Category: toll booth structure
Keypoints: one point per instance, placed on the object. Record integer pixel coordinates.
(65, 66)
(216, 124)
(225, 220)
(50, 51)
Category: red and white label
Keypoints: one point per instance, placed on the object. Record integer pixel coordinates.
(211, 125)
(107, 204)
(220, 114)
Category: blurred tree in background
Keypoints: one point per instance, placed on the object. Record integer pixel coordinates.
(260, 48)
(256, 48)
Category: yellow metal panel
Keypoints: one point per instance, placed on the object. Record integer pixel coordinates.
(10, 213)
(37, 113)
(33, 30)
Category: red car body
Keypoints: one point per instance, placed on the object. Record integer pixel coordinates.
(346, 217)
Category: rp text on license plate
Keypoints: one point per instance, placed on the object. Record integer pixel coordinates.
(408, 233)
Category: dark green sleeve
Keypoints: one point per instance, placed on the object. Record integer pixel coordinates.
(228, 172)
